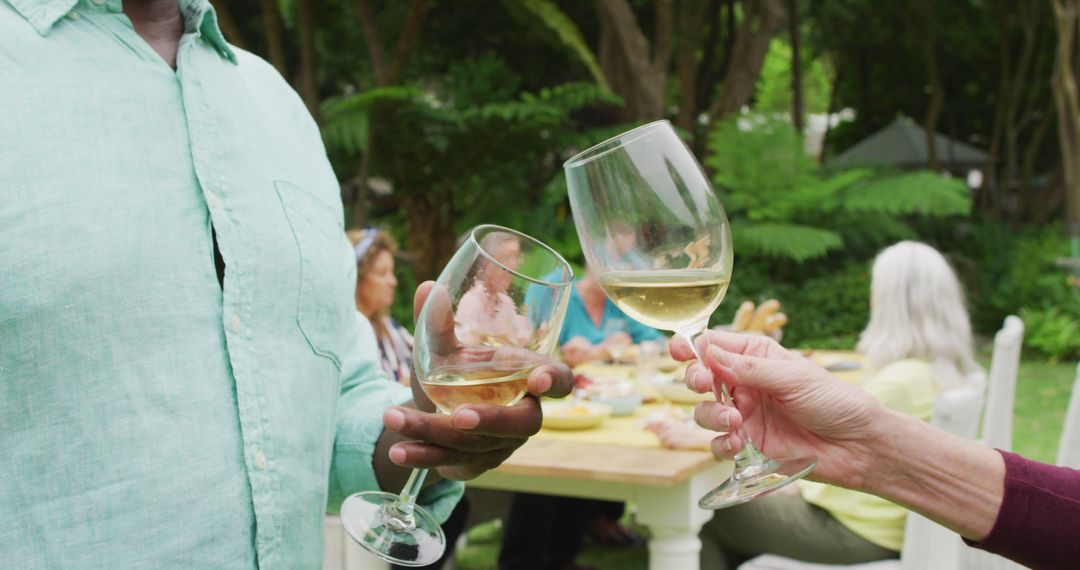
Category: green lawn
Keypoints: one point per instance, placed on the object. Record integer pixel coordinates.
(1042, 395)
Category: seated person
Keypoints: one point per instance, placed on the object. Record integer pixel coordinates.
(595, 328)
(544, 531)
(375, 287)
(918, 343)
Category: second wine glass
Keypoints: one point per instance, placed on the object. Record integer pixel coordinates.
(492, 317)
(657, 237)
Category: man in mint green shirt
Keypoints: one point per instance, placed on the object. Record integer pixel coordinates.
(158, 409)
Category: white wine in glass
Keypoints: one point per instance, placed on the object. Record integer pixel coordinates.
(493, 316)
(666, 299)
(658, 239)
(497, 384)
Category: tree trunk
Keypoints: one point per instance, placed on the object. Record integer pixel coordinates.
(798, 107)
(761, 20)
(833, 89)
(692, 15)
(229, 28)
(925, 20)
(866, 101)
(1027, 173)
(431, 232)
(309, 83)
(370, 28)
(385, 74)
(275, 41)
(993, 186)
(417, 14)
(1067, 102)
(636, 71)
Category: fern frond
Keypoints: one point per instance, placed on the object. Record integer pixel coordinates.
(786, 241)
(910, 193)
(564, 30)
(346, 119)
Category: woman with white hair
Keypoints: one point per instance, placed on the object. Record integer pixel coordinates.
(918, 344)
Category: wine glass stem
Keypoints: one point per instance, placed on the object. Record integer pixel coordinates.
(401, 511)
(749, 459)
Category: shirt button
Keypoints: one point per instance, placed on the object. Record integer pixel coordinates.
(260, 460)
(73, 15)
(212, 200)
(234, 323)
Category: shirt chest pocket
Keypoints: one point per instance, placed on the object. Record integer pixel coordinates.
(324, 304)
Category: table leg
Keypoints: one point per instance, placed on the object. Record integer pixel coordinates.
(673, 517)
(674, 547)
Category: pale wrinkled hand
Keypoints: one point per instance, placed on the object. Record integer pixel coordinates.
(579, 350)
(676, 434)
(787, 405)
(476, 437)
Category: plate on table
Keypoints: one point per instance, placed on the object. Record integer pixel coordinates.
(672, 388)
(838, 362)
(568, 415)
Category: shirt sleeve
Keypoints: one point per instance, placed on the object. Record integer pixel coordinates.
(640, 332)
(1039, 515)
(365, 394)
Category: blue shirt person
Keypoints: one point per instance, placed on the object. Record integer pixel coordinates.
(594, 325)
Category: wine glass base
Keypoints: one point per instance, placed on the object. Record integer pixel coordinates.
(366, 518)
(757, 480)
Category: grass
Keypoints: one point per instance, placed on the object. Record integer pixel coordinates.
(1042, 396)
(482, 551)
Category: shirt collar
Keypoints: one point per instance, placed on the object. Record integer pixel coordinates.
(199, 17)
(43, 14)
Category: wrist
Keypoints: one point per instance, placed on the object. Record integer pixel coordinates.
(888, 453)
(954, 481)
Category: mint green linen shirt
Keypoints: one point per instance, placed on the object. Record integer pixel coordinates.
(150, 417)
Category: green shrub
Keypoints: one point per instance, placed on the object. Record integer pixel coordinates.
(1053, 332)
(829, 311)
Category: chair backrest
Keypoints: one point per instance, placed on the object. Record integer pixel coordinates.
(928, 545)
(997, 422)
(1069, 448)
(958, 411)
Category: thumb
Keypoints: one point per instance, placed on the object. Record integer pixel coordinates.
(422, 292)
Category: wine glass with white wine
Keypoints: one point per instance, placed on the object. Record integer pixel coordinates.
(657, 237)
(492, 317)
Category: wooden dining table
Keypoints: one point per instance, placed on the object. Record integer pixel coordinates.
(621, 461)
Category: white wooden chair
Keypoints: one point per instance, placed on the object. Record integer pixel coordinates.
(927, 545)
(340, 552)
(1069, 448)
(997, 422)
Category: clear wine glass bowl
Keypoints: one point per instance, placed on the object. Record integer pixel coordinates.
(659, 241)
(492, 317)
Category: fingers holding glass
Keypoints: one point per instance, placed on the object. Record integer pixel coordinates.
(484, 338)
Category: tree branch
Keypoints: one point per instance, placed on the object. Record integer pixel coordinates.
(275, 42)
(417, 12)
(370, 28)
(662, 47)
(230, 30)
(761, 20)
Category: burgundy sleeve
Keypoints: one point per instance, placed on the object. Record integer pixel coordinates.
(1038, 524)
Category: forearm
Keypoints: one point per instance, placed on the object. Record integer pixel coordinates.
(956, 482)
